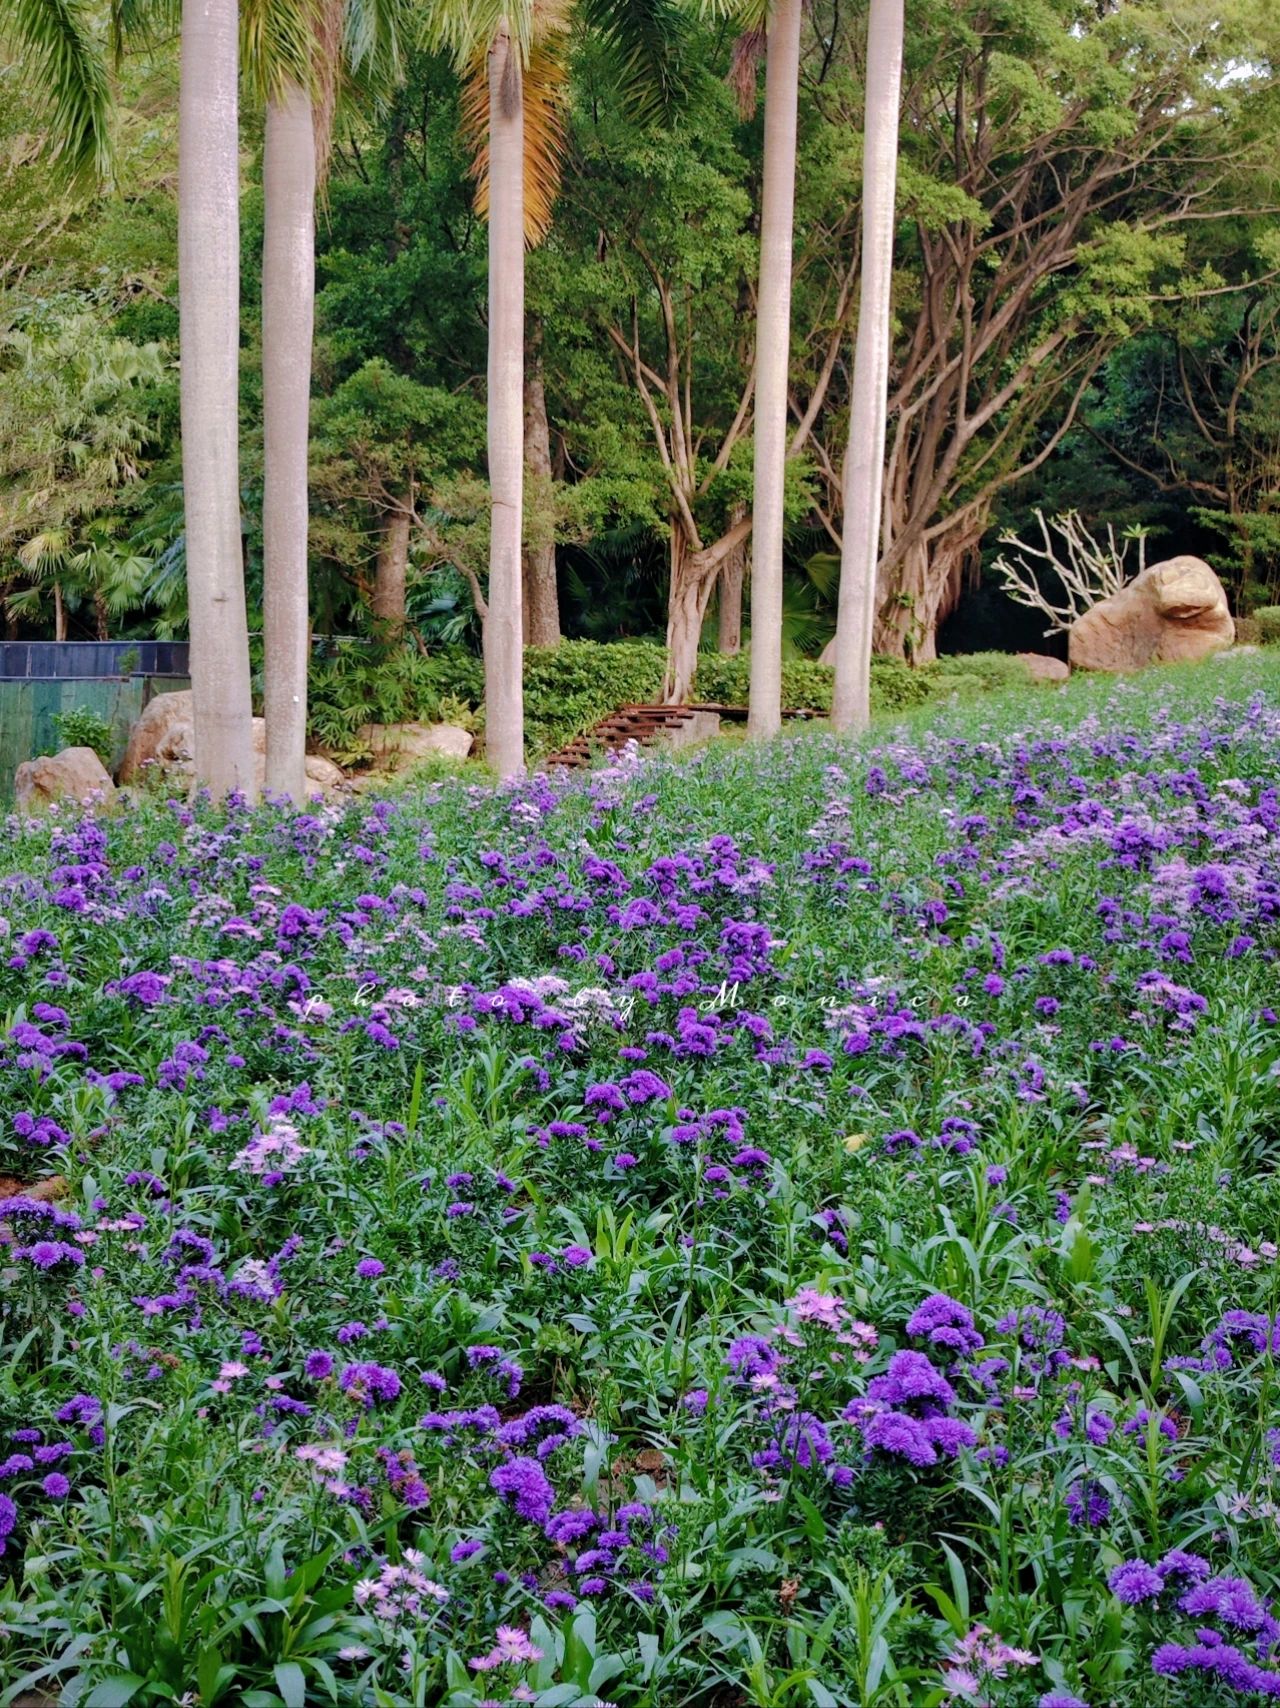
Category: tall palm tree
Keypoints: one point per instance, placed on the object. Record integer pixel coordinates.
(773, 350)
(209, 338)
(288, 313)
(514, 57)
(298, 51)
(864, 459)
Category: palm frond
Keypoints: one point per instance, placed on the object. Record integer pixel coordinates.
(59, 36)
(142, 22)
(277, 44)
(464, 28)
(545, 95)
(647, 41)
(375, 34)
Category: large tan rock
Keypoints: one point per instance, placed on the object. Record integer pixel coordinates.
(396, 747)
(1174, 612)
(75, 774)
(163, 738)
(163, 741)
(1042, 668)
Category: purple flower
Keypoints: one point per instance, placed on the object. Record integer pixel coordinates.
(523, 1483)
(369, 1267)
(576, 1256)
(56, 1486)
(318, 1365)
(1134, 1582)
(370, 1383)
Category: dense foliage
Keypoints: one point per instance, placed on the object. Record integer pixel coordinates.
(797, 1225)
(1090, 181)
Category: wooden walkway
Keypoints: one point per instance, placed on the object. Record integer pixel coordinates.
(645, 725)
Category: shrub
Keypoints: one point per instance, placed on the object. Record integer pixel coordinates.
(977, 672)
(570, 687)
(1267, 618)
(83, 727)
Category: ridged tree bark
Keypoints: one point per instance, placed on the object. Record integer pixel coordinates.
(732, 579)
(209, 343)
(503, 630)
(773, 350)
(288, 299)
(865, 457)
(391, 573)
(541, 600)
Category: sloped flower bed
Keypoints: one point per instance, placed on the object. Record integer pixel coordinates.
(798, 1225)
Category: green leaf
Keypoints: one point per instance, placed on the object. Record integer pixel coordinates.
(292, 1682)
(115, 1692)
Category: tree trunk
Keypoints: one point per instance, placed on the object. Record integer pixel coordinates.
(504, 629)
(391, 573)
(288, 298)
(59, 613)
(865, 458)
(773, 350)
(102, 616)
(686, 609)
(209, 342)
(733, 574)
(541, 601)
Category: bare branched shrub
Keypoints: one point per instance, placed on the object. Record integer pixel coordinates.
(1088, 568)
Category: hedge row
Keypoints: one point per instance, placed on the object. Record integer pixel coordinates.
(569, 688)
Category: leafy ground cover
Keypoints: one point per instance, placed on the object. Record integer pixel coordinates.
(795, 1225)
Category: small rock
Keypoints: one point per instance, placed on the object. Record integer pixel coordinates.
(690, 731)
(75, 774)
(1043, 668)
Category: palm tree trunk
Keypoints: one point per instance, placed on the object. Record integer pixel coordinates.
(541, 600)
(101, 614)
(59, 613)
(288, 298)
(864, 460)
(773, 350)
(391, 573)
(503, 632)
(209, 340)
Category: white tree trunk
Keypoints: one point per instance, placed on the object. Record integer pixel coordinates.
(503, 632)
(288, 299)
(773, 350)
(864, 460)
(541, 600)
(209, 343)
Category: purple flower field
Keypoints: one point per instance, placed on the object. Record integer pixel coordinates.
(794, 1226)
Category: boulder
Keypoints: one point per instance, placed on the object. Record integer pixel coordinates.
(395, 747)
(1042, 668)
(1174, 612)
(163, 739)
(75, 774)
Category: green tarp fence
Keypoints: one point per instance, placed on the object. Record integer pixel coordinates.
(28, 706)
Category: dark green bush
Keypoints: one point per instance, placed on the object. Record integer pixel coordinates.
(1267, 618)
(975, 673)
(82, 727)
(569, 688)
